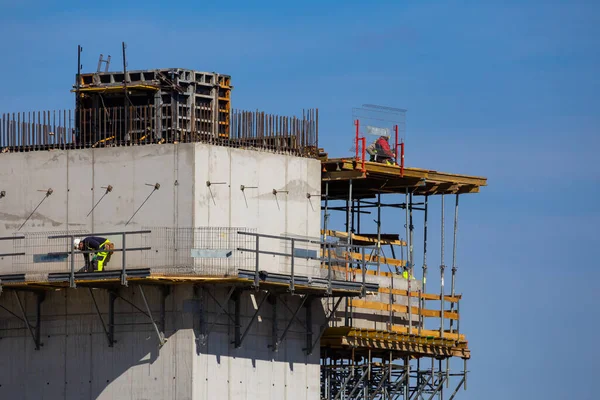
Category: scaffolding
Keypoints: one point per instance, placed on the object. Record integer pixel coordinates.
(391, 344)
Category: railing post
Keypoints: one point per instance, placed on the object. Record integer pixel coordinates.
(328, 247)
(402, 159)
(420, 310)
(458, 320)
(257, 261)
(356, 123)
(292, 283)
(124, 261)
(364, 273)
(364, 149)
(72, 275)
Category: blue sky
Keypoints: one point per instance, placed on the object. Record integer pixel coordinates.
(507, 90)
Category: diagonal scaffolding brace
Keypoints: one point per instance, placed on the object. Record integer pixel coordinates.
(34, 330)
(324, 326)
(159, 334)
(239, 340)
(289, 325)
(220, 311)
(109, 336)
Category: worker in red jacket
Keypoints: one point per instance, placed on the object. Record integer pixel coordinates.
(380, 151)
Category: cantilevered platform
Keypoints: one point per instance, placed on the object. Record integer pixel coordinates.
(243, 279)
(342, 339)
(371, 178)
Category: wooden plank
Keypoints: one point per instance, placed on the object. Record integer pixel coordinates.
(382, 260)
(425, 296)
(381, 306)
(342, 175)
(358, 239)
(357, 271)
(425, 332)
(371, 333)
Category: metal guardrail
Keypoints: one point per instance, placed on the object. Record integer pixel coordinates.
(123, 250)
(12, 238)
(327, 248)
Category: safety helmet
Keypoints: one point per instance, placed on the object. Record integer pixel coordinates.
(76, 243)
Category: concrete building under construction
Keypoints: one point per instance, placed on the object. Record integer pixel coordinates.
(228, 279)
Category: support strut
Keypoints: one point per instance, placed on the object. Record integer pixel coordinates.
(241, 339)
(288, 326)
(159, 334)
(106, 332)
(310, 349)
(33, 330)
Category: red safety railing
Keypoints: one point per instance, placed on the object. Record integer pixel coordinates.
(401, 153)
(363, 141)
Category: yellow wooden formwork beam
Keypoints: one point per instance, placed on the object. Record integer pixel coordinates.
(364, 239)
(428, 343)
(382, 260)
(381, 306)
(428, 333)
(424, 296)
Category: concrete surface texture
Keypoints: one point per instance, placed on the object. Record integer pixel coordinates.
(200, 186)
(198, 360)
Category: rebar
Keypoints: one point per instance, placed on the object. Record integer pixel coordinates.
(131, 124)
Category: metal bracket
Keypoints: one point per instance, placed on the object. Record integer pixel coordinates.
(311, 346)
(203, 329)
(280, 339)
(34, 330)
(159, 334)
(112, 297)
(165, 292)
(239, 340)
(200, 328)
(147, 312)
(111, 311)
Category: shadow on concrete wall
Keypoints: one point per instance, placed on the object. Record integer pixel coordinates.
(76, 361)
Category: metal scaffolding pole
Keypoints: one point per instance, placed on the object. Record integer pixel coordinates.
(425, 247)
(442, 267)
(378, 232)
(452, 283)
(454, 256)
(349, 250)
(424, 280)
(409, 261)
(326, 213)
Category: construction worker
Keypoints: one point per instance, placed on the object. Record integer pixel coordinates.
(103, 252)
(405, 273)
(380, 151)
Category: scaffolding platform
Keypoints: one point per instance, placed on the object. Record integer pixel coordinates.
(342, 339)
(372, 178)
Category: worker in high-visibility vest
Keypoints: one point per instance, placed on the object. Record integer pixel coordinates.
(405, 273)
(103, 251)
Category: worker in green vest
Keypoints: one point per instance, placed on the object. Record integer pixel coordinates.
(405, 273)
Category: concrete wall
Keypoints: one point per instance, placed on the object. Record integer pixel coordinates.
(184, 201)
(75, 361)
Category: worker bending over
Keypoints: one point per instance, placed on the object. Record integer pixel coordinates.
(380, 151)
(102, 248)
